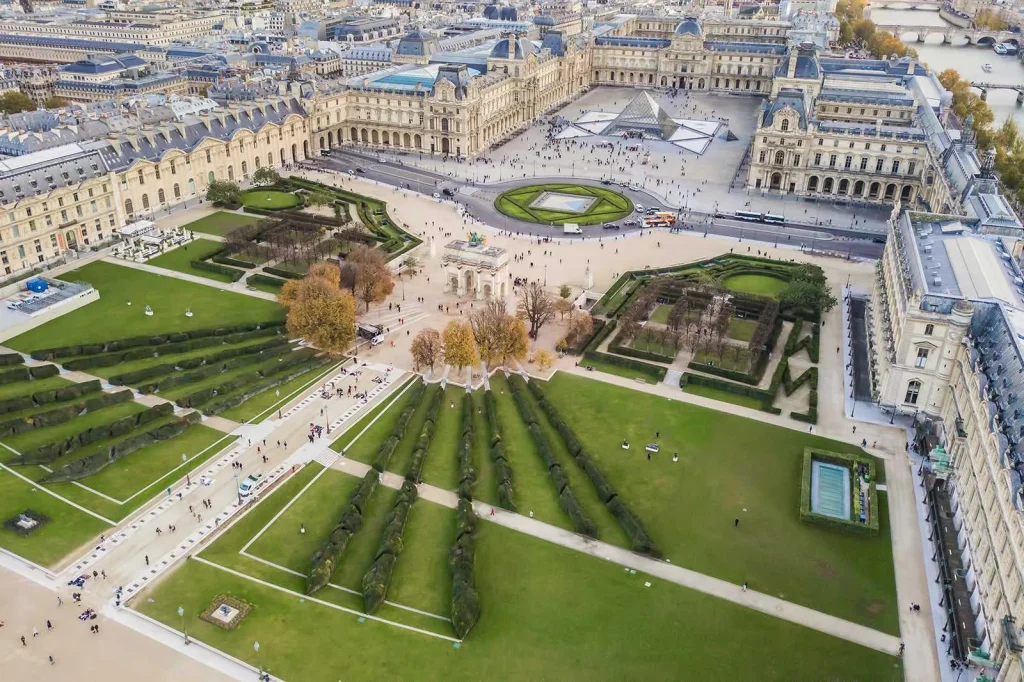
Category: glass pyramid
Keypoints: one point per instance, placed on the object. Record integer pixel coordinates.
(644, 117)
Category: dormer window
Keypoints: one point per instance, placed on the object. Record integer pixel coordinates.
(785, 124)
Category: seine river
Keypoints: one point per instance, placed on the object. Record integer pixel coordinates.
(966, 59)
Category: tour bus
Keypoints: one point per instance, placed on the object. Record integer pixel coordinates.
(774, 219)
(658, 221)
(665, 214)
(369, 331)
(752, 216)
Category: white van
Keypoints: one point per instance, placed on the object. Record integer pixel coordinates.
(571, 228)
(639, 208)
(246, 487)
(377, 340)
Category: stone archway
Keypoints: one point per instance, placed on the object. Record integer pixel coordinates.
(468, 280)
(71, 239)
(487, 291)
(453, 282)
(776, 181)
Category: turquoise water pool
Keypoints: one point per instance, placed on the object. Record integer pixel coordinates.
(830, 490)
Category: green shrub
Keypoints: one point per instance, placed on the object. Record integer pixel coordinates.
(640, 540)
(91, 464)
(7, 359)
(653, 373)
(236, 262)
(15, 375)
(378, 578)
(257, 278)
(287, 274)
(415, 471)
(329, 555)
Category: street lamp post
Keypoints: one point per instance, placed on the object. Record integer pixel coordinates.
(181, 612)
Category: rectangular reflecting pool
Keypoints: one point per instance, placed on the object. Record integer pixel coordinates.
(830, 490)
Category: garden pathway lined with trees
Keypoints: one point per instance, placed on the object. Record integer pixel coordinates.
(765, 603)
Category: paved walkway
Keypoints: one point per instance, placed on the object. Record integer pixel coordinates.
(238, 287)
(772, 606)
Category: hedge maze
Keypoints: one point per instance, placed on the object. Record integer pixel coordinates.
(724, 361)
(607, 206)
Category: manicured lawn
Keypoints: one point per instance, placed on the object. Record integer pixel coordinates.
(67, 530)
(441, 467)
(268, 288)
(221, 223)
(134, 365)
(363, 448)
(532, 486)
(548, 614)
(180, 259)
(608, 206)
(763, 285)
(724, 396)
(625, 372)
(660, 313)
(146, 466)
(730, 467)
(269, 198)
(742, 330)
(653, 346)
(262, 405)
(111, 317)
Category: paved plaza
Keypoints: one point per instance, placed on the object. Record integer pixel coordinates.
(708, 182)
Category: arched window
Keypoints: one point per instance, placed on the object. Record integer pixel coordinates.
(913, 390)
(145, 201)
(257, 162)
(245, 168)
(191, 187)
(785, 124)
(177, 191)
(270, 159)
(211, 177)
(231, 172)
(128, 208)
(780, 158)
(160, 196)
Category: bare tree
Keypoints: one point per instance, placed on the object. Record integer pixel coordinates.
(536, 307)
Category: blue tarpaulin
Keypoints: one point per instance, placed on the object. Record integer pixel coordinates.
(37, 285)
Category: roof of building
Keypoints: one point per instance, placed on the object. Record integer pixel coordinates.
(788, 98)
(104, 64)
(511, 47)
(690, 27)
(417, 44)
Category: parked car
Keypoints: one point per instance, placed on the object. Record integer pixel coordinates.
(612, 226)
(359, 170)
(436, 195)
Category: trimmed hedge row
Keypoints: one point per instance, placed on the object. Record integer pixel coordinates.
(117, 357)
(810, 343)
(91, 464)
(287, 274)
(13, 376)
(53, 395)
(216, 365)
(257, 278)
(502, 468)
(236, 262)
(329, 556)
(387, 448)
(789, 385)
(44, 454)
(598, 325)
(766, 398)
(654, 372)
(204, 395)
(581, 523)
(850, 462)
(61, 414)
(234, 273)
(419, 454)
(378, 578)
(616, 347)
(140, 375)
(226, 402)
(640, 540)
(158, 340)
(7, 359)
(462, 556)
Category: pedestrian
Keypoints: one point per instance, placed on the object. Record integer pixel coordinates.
(492, 511)
(35, 632)
(902, 648)
(736, 522)
(23, 642)
(49, 625)
(648, 457)
(104, 573)
(855, 429)
(50, 659)
(60, 602)
(147, 560)
(744, 587)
